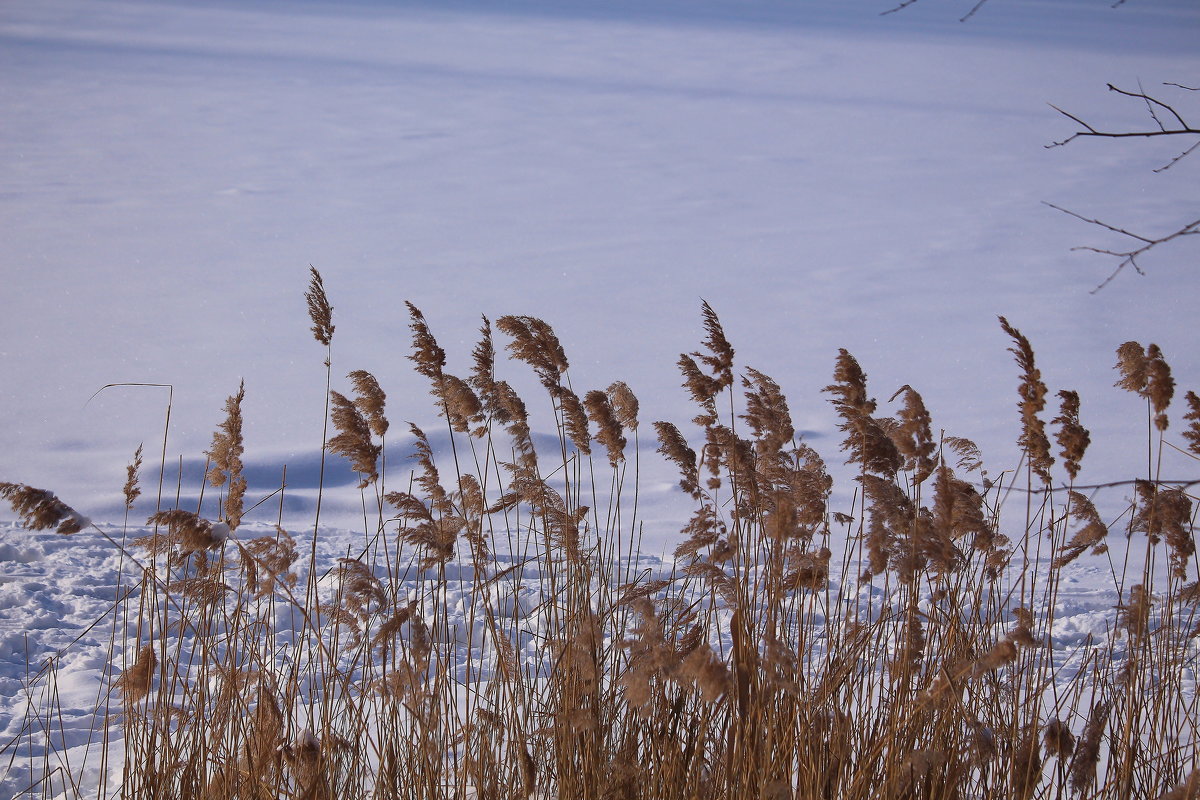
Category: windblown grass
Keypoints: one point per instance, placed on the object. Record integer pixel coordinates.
(499, 634)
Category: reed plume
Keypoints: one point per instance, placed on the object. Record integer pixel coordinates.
(1166, 512)
(1092, 534)
(370, 400)
(225, 456)
(40, 510)
(353, 439)
(1032, 392)
(1072, 437)
(624, 403)
(319, 309)
(1145, 372)
(535, 343)
(913, 437)
(1087, 749)
(868, 440)
(136, 681)
(675, 448)
(132, 490)
(608, 426)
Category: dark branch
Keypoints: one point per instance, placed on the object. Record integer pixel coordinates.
(905, 4)
(1128, 258)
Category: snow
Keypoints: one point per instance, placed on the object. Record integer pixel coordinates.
(825, 177)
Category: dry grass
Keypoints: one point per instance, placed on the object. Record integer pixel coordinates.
(496, 637)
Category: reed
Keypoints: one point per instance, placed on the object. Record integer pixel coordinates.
(498, 635)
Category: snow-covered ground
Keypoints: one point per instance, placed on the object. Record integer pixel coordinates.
(824, 176)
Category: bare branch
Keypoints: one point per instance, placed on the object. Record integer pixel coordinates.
(1128, 258)
(1172, 83)
(1153, 106)
(903, 5)
(1178, 158)
(1150, 103)
(971, 13)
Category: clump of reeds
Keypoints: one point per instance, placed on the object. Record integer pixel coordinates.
(496, 635)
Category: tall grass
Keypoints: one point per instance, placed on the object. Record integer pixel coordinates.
(498, 633)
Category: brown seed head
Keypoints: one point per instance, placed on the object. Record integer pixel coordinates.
(319, 309)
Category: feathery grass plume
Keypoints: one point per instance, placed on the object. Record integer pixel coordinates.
(40, 510)
(1072, 437)
(204, 591)
(890, 517)
(1022, 632)
(1134, 368)
(474, 508)
(136, 681)
(1000, 654)
(390, 628)
(704, 529)
(867, 439)
(1057, 740)
(461, 405)
(708, 673)
(319, 309)
(1134, 613)
(534, 342)
(625, 403)
(1160, 386)
(132, 472)
(353, 440)
(370, 400)
(810, 485)
(1092, 534)
(561, 524)
(1033, 399)
(892, 536)
(429, 478)
(358, 593)
(574, 420)
(1163, 511)
(483, 378)
(807, 570)
(1087, 749)
(1166, 512)
(608, 427)
(266, 737)
(910, 649)
(457, 402)
(719, 358)
(1026, 770)
(674, 447)
(649, 656)
(510, 410)
(701, 387)
(913, 437)
(969, 457)
(435, 536)
(958, 510)
(427, 355)
(768, 415)
(189, 532)
(1145, 372)
(1192, 434)
(267, 561)
(226, 458)
(1187, 789)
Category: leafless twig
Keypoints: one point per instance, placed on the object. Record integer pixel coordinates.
(1179, 126)
(906, 3)
(1128, 257)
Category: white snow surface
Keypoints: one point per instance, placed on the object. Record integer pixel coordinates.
(824, 176)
